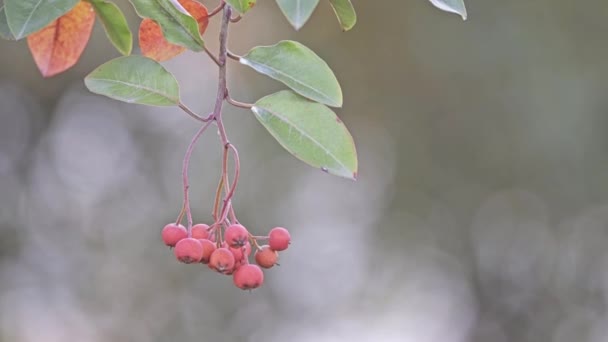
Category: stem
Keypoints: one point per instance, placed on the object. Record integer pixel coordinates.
(254, 242)
(210, 54)
(230, 189)
(218, 195)
(236, 19)
(234, 56)
(216, 10)
(179, 218)
(185, 172)
(217, 111)
(238, 103)
(193, 114)
(217, 117)
(221, 88)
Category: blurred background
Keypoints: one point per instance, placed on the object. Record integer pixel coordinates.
(480, 213)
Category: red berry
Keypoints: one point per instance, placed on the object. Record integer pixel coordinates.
(188, 250)
(208, 248)
(279, 239)
(236, 235)
(172, 233)
(266, 257)
(241, 253)
(248, 277)
(199, 231)
(222, 260)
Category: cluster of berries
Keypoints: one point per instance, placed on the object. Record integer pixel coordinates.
(230, 255)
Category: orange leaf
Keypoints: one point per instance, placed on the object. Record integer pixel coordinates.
(58, 46)
(152, 42)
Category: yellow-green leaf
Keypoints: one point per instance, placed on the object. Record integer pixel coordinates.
(28, 16)
(297, 67)
(115, 25)
(310, 131)
(241, 6)
(297, 12)
(345, 12)
(5, 31)
(453, 6)
(178, 26)
(134, 79)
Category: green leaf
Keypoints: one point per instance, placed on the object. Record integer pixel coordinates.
(297, 12)
(28, 16)
(178, 26)
(5, 31)
(241, 6)
(310, 131)
(454, 6)
(115, 25)
(134, 79)
(345, 12)
(297, 67)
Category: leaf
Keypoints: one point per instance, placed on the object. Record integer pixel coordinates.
(345, 12)
(299, 68)
(5, 31)
(115, 25)
(58, 46)
(178, 26)
(310, 131)
(152, 41)
(453, 6)
(241, 6)
(297, 12)
(27, 16)
(134, 79)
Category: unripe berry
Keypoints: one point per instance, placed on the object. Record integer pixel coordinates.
(172, 233)
(248, 277)
(279, 239)
(222, 260)
(208, 249)
(199, 231)
(236, 235)
(266, 257)
(188, 250)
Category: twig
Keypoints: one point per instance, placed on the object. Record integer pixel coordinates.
(194, 115)
(217, 9)
(210, 54)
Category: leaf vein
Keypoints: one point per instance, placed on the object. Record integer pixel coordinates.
(277, 71)
(305, 134)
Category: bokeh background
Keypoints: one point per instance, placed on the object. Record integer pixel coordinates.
(480, 213)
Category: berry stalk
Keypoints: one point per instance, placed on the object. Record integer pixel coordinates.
(185, 165)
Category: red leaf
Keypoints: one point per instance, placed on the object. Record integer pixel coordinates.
(58, 46)
(152, 42)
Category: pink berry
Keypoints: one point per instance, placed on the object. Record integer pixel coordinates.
(222, 260)
(248, 277)
(236, 235)
(279, 239)
(188, 250)
(173, 233)
(208, 249)
(241, 253)
(199, 231)
(266, 257)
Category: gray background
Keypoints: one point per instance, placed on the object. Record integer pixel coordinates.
(480, 213)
